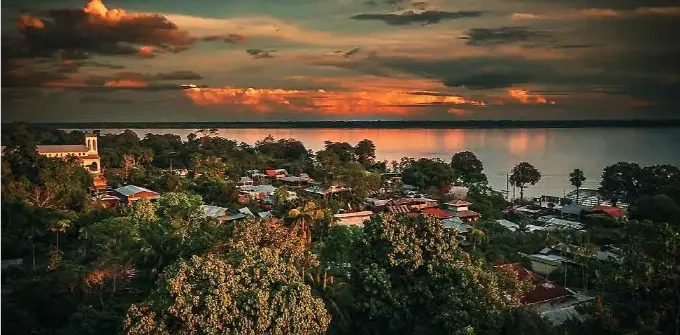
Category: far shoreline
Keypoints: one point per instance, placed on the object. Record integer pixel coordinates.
(479, 124)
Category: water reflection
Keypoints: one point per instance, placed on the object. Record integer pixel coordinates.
(555, 152)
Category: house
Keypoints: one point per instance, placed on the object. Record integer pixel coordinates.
(353, 219)
(400, 209)
(265, 214)
(438, 212)
(244, 182)
(460, 210)
(318, 190)
(99, 184)
(508, 224)
(546, 264)
(131, 193)
(256, 174)
(545, 293)
(613, 212)
(457, 224)
(572, 211)
(257, 192)
(560, 224)
(276, 173)
(106, 200)
(87, 154)
(414, 204)
(297, 181)
(222, 214)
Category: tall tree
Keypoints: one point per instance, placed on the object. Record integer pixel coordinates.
(410, 278)
(620, 181)
(365, 152)
(252, 284)
(425, 173)
(576, 178)
(524, 174)
(469, 169)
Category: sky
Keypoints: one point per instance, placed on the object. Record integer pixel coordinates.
(285, 60)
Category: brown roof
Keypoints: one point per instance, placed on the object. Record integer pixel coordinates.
(398, 209)
(543, 291)
(440, 213)
(458, 203)
(467, 214)
(53, 149)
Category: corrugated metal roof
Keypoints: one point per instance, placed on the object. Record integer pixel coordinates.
(246, 211)
(214, 211)
(132, 189)
(264, 215)
(457, 224)
(398, 209)
(508, 224)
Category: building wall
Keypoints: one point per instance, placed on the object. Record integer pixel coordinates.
(356, 221)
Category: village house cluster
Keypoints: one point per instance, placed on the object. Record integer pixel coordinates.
(257, 196)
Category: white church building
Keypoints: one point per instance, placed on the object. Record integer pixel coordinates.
(87, 153)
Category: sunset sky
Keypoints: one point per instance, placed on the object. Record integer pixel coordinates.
(277, 60)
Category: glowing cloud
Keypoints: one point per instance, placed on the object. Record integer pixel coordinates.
(525, 97)
(27, 21)
(125, 83)
(321, 101)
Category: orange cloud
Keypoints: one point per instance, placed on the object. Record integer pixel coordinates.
(125, 83)
(146, 51)
(458, 111)
(525, 97)
(27, 21)
(337, 103)
(597, 13)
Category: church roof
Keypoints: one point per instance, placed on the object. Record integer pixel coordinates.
(54, 149)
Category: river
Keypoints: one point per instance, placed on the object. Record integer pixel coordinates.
(555, 152)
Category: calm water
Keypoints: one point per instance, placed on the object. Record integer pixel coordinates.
(555, 152)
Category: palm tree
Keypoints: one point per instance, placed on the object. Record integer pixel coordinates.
(577, 178)
(128, 163)
(329, 289)
(304, 217)
(477, 235)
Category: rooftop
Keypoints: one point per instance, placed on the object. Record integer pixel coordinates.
(132, 189)
(614, 212)
(458, 203)
(353, 214)
(440, 213)
(53, 149)
(544, 290)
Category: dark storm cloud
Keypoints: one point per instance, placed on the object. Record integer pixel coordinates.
(506, 35)
(411, 17)
(259, 53)
(576, 46)
(98, 30)
(144, 77)
(614, 4)
(489, 80)
(104, 99)
(352, 52)
(178, 75)
(230, 38)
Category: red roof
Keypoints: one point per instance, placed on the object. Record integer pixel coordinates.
(458, 203)
(440, 213)
(614, 212)
(467, 214)
(543, 291)
(271, 173)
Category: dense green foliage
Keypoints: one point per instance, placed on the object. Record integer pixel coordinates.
(164, 267)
